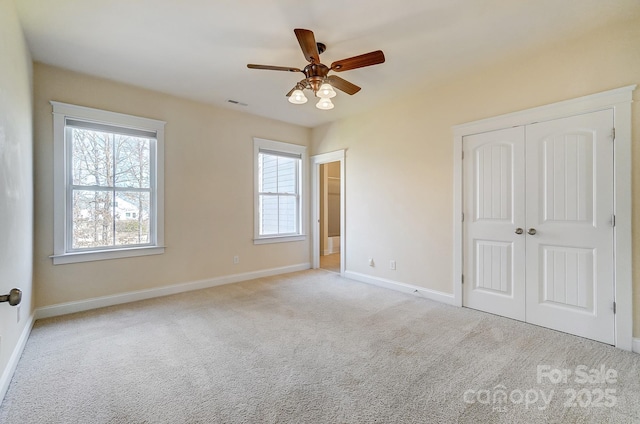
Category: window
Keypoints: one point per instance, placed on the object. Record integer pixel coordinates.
(108, 184)
(279, 170)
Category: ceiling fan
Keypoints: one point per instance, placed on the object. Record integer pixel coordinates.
(316, 73)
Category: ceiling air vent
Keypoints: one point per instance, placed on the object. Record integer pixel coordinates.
(235, 102)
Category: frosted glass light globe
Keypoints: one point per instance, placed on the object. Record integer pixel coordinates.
(297, 97)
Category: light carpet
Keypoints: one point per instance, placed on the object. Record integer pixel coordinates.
(312, 347)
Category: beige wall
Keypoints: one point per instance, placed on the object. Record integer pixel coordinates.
(405, 212)
(16, 182)
(208, 192)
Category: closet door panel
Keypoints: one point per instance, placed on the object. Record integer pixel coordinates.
(569, 265)
(493, 169)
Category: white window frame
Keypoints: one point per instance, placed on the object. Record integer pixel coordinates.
(286, 148)
(63, 253)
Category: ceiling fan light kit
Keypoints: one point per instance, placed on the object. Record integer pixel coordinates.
(326, 91)
(325, 104)
(297, 97)
(316, 73)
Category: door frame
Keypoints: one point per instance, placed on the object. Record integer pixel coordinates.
(316, 161)
(619, 100)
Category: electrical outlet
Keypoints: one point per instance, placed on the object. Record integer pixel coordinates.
(392, 265)
(236, 259)
(371, 263)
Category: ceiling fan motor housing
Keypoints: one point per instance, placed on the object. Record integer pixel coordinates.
(316, 73)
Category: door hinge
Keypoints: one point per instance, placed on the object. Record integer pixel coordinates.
(462, 278)
(462, 216)
(613, 220)
(613, 134)
(614, 307)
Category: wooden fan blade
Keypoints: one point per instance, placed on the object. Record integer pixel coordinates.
(291, 91)
(308, 44)
(361, 61)
(343, 85)
(273, 68)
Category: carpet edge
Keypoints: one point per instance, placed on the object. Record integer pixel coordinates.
(133, 296)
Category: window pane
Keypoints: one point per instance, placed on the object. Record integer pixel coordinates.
(278, 173)
(92, 219)
(132, 218)
(287, 175)
(132, 161)
(92, 158)
(268, 173)
(268, 215)
(287, 215)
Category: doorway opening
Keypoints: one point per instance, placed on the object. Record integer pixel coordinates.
(328, 212)
(330, 216)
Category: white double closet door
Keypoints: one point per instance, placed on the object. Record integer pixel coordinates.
(538, 224)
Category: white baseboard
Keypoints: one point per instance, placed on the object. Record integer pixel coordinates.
(402, 287)
(117, 299)
(7, 374)
(636, 345)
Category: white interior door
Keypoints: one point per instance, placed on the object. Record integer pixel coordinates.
(538, 227)
(570, 268)
(494, 254)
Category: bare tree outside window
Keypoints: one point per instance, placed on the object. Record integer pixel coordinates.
(111, 189)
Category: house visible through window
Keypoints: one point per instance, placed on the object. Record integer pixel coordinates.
(109, 180)
(110, 174)
(279, 170)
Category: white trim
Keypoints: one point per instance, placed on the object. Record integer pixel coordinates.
(619, 100)
(591, 103)
(402, 287)
(636, 345)
(88, 113)
(317, 160)
(280, 239)
(7, 374)
(458, 245)
(117, 299)
(76, 257)
(278, 146)
(622, 231)
(62, 253)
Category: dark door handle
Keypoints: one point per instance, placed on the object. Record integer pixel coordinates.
(14, 297)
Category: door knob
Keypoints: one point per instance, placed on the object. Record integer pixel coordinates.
(14, 297)
(519, 231)
(532, 231)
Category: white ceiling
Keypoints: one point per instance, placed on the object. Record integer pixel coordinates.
(199, 49)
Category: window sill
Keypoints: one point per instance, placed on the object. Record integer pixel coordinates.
(279, 239)
(70, 258)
